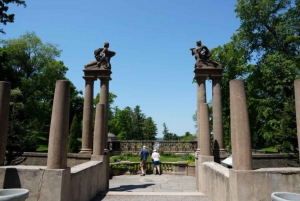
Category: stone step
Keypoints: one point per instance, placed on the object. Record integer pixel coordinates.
(153, 196)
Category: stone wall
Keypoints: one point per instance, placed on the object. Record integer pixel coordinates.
(274, 160)
(43, 184)
(79, 183)
(223, 184)
(173, 146)
(87, 180)
(40, 159)
(259, 160)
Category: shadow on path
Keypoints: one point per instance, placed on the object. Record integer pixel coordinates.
(129, 187)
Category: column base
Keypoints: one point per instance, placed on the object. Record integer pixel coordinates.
(220, 154)
(86, 151)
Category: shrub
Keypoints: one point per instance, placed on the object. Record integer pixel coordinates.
(120, 166)
(167, 154)
(128, 154)
(73, 145)
(190, 157)
(113, 159)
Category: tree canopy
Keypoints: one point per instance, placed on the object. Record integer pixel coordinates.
(265, 53)
(32, 68)
(6, 17)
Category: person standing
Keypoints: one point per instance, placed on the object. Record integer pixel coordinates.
(144, 155)
(155, 157)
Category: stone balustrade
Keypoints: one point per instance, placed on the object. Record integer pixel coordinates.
(174, 168)
(173, 146)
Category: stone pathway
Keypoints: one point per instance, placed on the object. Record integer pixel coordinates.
(152, 187)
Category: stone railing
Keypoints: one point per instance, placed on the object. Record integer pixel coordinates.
(174, 168)
(135, 146)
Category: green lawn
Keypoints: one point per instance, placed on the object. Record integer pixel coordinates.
(42, 143)
(270, 149)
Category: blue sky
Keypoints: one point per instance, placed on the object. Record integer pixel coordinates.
(153, 66)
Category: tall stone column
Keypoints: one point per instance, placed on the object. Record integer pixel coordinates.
(204, 131)
(87, 123)
(98, 148)
(297, 106)
(104, 93)
(219, 152)
(59, 127)
(240, 127)
(4, 116)
(201, 98)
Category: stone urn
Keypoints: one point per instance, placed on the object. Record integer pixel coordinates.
(283, 196)
(13, 194)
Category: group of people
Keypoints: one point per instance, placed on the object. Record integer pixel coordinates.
(155, 159)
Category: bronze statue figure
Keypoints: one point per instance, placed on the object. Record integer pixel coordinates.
(201, 52)
(202, 56)
(102, 56)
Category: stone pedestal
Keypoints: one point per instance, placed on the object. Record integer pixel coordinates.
(4, 115)
(59, 128)
(87, 123)
(200, 172)
(240, 128)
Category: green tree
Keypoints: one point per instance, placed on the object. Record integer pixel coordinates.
(122, 124)
(269, 31)
(75, 131)
(188, 136)
(4, 16)
(138, 119)
(167, 135)
(234, 58)
(32, 66)
(149, 129)
(19, 137)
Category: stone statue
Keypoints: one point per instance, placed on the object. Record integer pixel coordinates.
(102, 56)
(202, 55)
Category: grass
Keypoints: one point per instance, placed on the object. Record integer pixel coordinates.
(42, 143)
(269, 149)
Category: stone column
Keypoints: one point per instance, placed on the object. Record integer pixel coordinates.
(297, 106)
(4, 116)
(98, 148)
(59, 127)
(87, 123)
(104, 93)
(204, 131)
(240, 128)
(219, 151)
(104, 100)
(201, 98)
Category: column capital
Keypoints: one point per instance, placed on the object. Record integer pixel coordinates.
(89, 78)
(200, 78)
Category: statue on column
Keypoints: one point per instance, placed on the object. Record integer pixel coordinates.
(102, 56)
(202, 56)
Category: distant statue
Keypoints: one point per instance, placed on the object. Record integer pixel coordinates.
(202, 56)
(102, 56)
